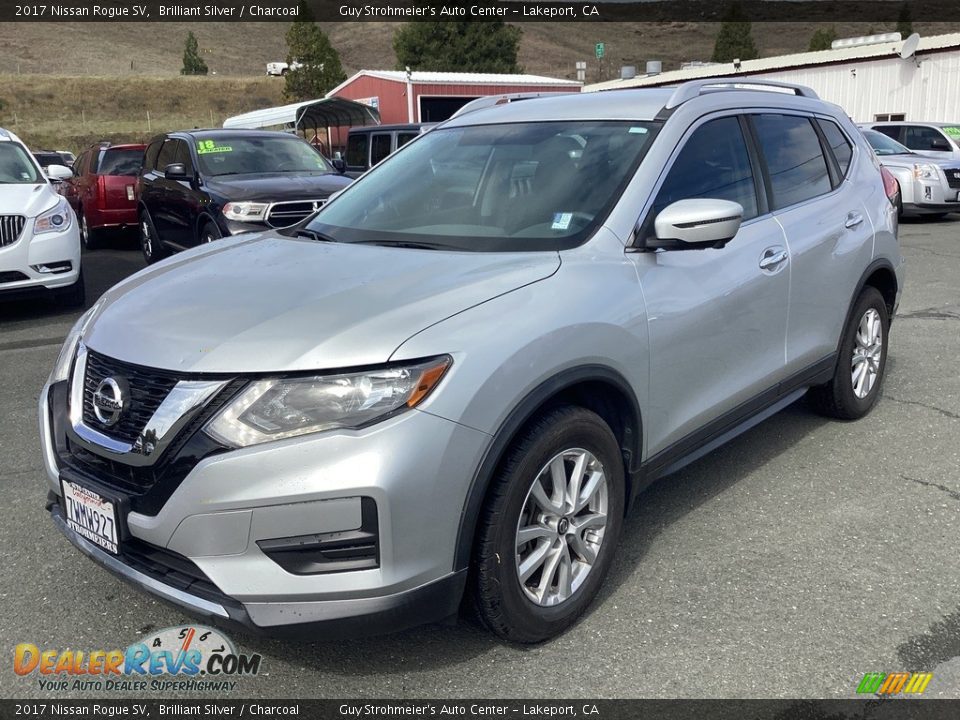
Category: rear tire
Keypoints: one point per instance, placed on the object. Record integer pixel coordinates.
(150, 244)
(544, 547)
(856, 383)
(73, 295)
(209, 233)
(89, 236)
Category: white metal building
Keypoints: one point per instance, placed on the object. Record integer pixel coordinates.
(871, 82)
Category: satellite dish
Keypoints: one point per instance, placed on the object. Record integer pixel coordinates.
(909, 47)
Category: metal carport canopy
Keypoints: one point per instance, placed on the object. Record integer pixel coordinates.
(327, 112)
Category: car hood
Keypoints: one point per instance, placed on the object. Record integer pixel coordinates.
(277, 186)
(266, 303)
(29, 200)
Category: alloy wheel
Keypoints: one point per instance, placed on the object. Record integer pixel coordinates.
(867, 353)
(145, 239)
(561, 527)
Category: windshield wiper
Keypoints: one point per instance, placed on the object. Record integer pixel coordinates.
(402, 244)
(314, 235)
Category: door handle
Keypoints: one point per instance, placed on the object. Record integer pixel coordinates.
(853, 219)
(771, 258)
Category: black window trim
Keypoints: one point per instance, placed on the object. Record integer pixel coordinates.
(761, 181)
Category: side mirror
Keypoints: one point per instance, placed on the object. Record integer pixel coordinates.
(696, 224)
(940, 144)
(339, 165)
(175, 171)
(59, 173)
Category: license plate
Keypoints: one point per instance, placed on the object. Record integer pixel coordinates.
(90, 515)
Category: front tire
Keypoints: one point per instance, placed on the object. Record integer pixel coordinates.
(209, 233)
(855, 386)
(550, 526)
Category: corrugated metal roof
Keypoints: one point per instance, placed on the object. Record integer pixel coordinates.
(781, 62)
(457, 78)
(335, 112)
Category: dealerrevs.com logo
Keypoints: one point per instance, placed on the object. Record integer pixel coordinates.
(191, 657)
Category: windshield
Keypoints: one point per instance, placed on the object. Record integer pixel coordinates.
(121, 162)
(883, 145)
(235, 155)
(522, 186)
(16, 168)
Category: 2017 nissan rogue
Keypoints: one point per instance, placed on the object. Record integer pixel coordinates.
(458, 376)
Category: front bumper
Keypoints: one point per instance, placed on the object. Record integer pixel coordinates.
(19, 261)
(416, 467)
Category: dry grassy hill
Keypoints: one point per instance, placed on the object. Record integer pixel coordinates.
(70, 83)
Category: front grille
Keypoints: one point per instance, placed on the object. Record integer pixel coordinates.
(285, 214)
(12, 276)
(10, 228)
(953, 177)
(148, 388)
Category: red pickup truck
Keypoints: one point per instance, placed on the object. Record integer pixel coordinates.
(102, 190)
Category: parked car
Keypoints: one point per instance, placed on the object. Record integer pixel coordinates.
(939, 140)
(928, 186)
(39, 241)
(366, 146)
(199, 186)
(279, 69)
(102, 191)
(68, 157)
(46, 158)
(449, 382)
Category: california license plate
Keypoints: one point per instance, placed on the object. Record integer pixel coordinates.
(90, 515)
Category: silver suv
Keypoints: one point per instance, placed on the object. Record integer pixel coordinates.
(457, 376)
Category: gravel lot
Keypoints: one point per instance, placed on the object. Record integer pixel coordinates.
(786, 564)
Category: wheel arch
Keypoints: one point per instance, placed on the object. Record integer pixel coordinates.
(595, 387)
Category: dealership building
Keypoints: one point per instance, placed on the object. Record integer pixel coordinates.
(413, 97)
(874, 78)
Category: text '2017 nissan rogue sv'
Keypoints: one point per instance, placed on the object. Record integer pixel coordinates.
(460, 373)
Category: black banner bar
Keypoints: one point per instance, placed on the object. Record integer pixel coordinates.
(873, 708)
(887, 11)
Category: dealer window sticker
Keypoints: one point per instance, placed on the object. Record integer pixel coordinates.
(953, 132)
(561, 221)
(209, 146)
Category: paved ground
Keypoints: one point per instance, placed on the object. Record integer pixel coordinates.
(786, 564)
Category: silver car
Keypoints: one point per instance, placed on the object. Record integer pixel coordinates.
(940, 140)
(928, 186)
(460, 374)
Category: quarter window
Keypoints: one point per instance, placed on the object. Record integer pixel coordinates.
(842, 150)
(714, 163)
(795, 162)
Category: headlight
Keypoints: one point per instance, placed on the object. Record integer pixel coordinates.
(286, 407)
(61, 370)
(925, 172)
(245, 211)
(56, 219)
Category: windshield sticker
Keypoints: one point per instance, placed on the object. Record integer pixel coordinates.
(638, 131)
(209, 146)
(561, 221)
(953, 132)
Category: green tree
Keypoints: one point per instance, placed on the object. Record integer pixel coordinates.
(193, 64)
(823, 38)
(458, 45)
(319, 69)
(734, 39)
(904, 22)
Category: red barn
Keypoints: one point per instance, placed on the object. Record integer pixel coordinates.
(435, 96)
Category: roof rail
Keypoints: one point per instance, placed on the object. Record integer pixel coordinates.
(491, 100)
(695, 88)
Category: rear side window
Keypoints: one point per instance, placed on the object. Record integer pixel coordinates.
(795, 162)
(925, 138)
(380, 148)
(357, 150)
(714, 163)
(842, 150)
(891, 131)
(120, 162)
(404, 137)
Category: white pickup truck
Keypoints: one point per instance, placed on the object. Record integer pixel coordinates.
(279, 69)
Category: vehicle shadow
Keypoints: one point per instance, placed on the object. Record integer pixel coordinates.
(663, 504)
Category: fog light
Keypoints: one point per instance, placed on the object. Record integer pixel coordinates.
(53, 268)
